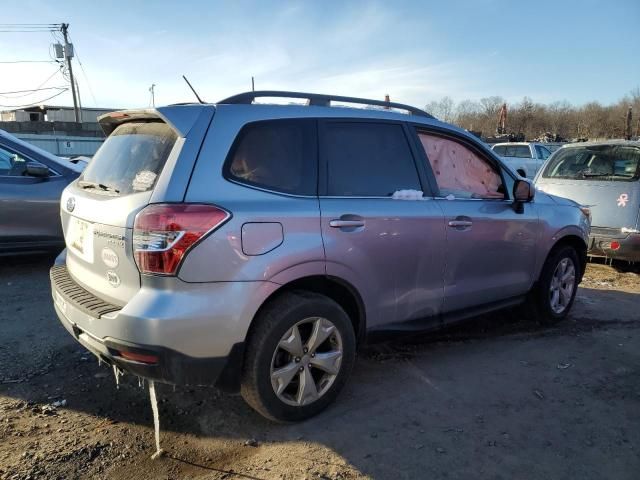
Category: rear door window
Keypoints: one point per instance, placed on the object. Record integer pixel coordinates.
(130, 159)
(278, 155)
(367, 159)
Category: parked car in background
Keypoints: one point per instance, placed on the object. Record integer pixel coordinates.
(255, 246)
(603, 175)
(31, 182)
(525, 158)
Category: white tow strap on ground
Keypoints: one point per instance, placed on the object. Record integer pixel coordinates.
(156, 419)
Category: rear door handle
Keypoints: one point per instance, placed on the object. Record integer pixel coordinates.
(346, 223)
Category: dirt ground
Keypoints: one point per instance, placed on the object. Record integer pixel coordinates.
(495, 398)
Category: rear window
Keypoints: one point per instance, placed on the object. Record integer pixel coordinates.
(278, 155)
(130, 159)
(520, 151)
(368, 159)
(595, 162)
(500, 150)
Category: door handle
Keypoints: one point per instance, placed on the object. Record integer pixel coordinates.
(346, 223)
(460, 223)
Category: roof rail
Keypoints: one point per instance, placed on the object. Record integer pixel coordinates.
(320, 100)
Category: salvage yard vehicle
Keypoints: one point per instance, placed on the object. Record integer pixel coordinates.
(255, 246)
(31, 183)
(604, 175)
(525, 158)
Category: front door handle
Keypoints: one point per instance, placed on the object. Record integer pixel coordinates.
(460, 223)
(346, 223)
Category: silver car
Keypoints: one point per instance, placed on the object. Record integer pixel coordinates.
(606, 176)
(525, 158)
(255, 246)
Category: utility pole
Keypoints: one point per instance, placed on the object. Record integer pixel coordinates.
(152, 89)
(68, 55)
(253, 85)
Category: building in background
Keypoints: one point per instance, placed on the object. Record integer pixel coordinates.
(53, 128)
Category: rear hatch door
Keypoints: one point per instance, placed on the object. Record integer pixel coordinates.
(98, 210)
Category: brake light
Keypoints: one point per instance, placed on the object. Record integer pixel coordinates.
(163, 233)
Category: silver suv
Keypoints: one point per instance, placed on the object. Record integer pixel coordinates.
(255, 246)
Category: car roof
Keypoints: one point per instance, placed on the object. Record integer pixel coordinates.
(630, 143)
(513, 143)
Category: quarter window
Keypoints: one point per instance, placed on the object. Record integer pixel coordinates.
(459, 171)
(278, 155)
(368, 159)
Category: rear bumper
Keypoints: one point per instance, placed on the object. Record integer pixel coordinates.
(193, 333)
(629, 247)
(169, 367)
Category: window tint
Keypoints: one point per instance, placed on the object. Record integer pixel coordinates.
(131, 158)
(13, 164)
(459, 171)
(368, 159)
(596, 162)
(278, 155)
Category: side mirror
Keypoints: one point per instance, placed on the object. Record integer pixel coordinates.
(36, 171)
(523, 191)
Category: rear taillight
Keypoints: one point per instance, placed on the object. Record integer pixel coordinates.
(163, 233)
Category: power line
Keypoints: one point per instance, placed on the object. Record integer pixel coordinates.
(29, 61)
(34, 89)
(35, 103)
(43, 30)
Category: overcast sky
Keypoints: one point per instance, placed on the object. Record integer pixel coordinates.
(415, 51)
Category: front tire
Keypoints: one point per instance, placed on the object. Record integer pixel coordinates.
(299, 355)
(553, 296)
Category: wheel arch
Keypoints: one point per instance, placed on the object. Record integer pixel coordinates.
(578, 244)
(339, 290)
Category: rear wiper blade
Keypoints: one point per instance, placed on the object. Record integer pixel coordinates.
(87, 184)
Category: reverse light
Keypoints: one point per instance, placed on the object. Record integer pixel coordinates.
(163, 233)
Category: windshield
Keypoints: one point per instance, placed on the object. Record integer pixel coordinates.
(595, 162)
(130, 159)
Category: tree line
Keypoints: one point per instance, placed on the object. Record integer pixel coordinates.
(535, 120)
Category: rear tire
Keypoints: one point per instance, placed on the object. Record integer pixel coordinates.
(552, 298)
(299, 355)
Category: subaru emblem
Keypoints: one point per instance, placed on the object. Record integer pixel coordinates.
(71, 204)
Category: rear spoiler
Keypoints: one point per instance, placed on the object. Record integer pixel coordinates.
(179, 117)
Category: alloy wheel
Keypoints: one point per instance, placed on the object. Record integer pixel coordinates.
(306, 361)
(562, 285)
